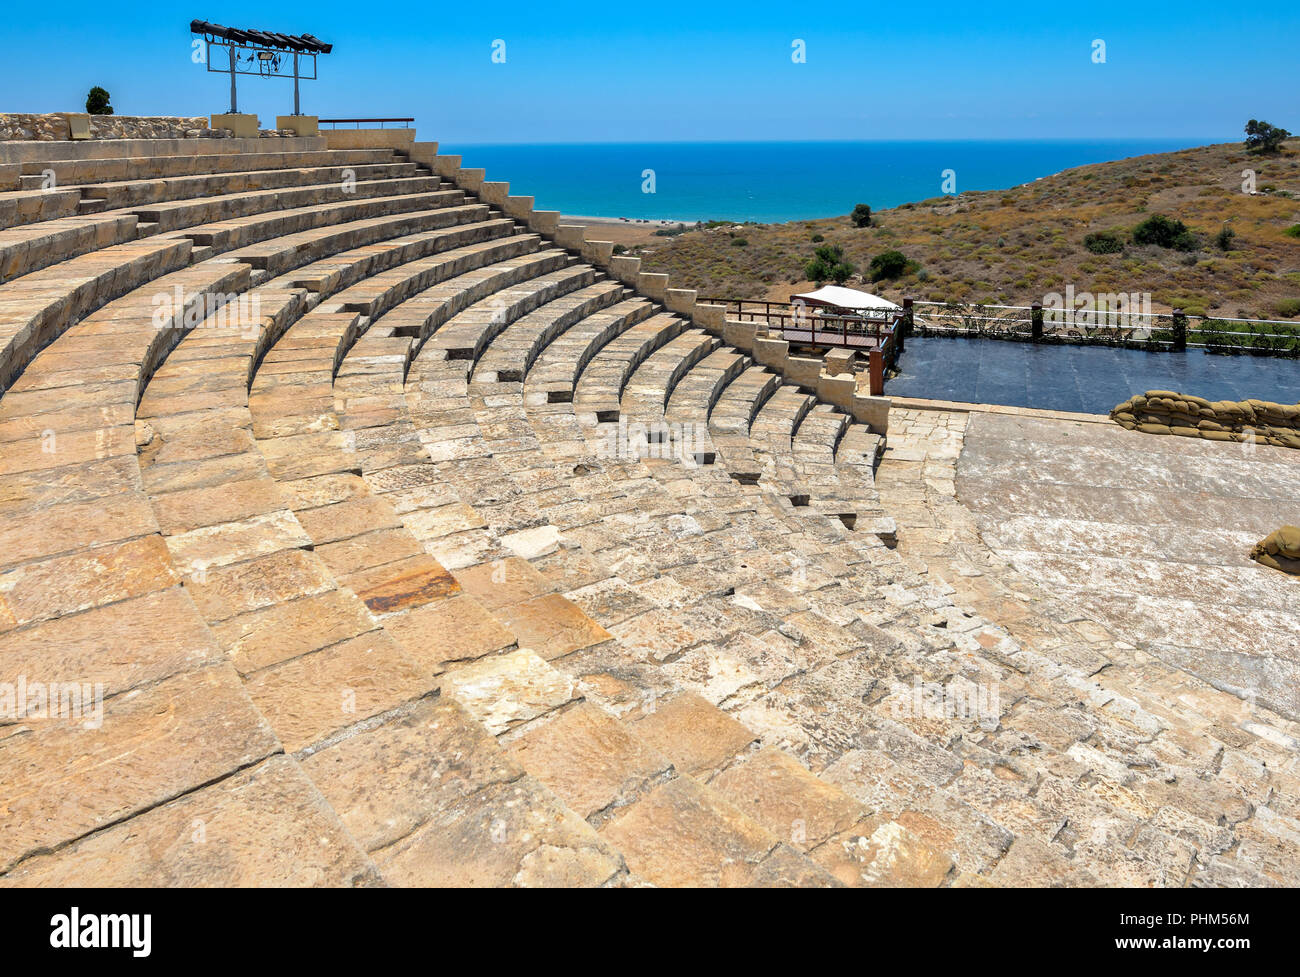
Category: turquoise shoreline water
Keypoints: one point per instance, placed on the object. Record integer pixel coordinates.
(770, 182)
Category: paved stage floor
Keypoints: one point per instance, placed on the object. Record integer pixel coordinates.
(1088, 379)
(1149, 535)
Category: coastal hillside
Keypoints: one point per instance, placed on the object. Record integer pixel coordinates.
(1014, 246)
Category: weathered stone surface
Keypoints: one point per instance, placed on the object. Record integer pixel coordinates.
(502, 583)
(696, 735)
(265, 826)
(454, 630)
(269, 635)
(590, 760)
(506, 691)
(388, 781)
(402, 585)
(552, 626)
(684, 834)
(65, 780)
(234, 542)
(122, 645)
(309, 697)
(261, 582)
(66, 584)
(785, 798)
(891, 856)
(513, 834)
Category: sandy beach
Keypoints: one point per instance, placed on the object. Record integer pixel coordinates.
(628, 232)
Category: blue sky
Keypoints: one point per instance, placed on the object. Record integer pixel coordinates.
(655, 71)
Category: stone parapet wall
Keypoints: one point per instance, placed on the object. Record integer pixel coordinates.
(54, 126)
(1166, 412)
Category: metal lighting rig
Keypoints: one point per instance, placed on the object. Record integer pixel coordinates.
(264, 53)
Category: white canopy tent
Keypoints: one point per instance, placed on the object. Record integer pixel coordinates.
(843, 299)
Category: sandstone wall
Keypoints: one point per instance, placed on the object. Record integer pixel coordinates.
(53, 126)
(1166, 412)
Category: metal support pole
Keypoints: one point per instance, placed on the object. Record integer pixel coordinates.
(234, 101)
(296, 109)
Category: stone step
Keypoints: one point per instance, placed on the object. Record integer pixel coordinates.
(599, 387)
(70, 172)
(179, 214)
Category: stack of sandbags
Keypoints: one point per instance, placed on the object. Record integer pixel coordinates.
(1166, 412)
(1279, 550)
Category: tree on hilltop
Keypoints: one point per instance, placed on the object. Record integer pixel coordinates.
(1264, 138)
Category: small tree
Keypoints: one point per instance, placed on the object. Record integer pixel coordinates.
(97, 102)
(1264, 138)
(1224, 238)
(888, 264)
(861, 216)
(828, 263)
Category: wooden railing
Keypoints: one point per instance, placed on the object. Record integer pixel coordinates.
(803, 324)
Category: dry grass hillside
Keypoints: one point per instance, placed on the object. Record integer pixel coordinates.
(1014, 246)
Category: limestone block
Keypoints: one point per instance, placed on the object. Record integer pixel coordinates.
(243, 126)
(300, 125)
(871, 411)
(78, 125)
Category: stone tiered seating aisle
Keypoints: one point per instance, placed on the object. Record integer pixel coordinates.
(398, 569)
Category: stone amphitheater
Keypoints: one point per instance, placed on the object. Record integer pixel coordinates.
(415, 539)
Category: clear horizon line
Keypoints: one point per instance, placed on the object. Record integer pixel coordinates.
(1198, 140)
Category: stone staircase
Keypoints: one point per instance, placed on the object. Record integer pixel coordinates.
(416, 541)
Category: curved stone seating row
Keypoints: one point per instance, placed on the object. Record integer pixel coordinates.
(941, 798)
(130, 345)
(450, 467)
(648, 845)
(732, 418)
(391, 577)
(65, 200)
(492, 422)
(36, 307)
(92, 172)
(34, 246)
(598, 389)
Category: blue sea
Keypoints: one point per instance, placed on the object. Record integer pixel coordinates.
(777, 181)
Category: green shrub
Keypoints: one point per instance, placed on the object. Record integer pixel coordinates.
(1292, 231)
(1164, 232)
(828, 263)
(1224, 238)
(1104, 242)
(739, 242)
(818, 238)
(97, 102)
(861, 216)
(1287, 307)
(888, 264)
